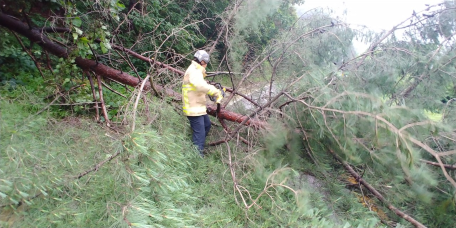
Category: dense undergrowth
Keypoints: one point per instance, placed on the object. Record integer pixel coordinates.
(155, 178)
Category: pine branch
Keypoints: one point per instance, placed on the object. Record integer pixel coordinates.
(225, 127)
(95, 168)
(235, 92)
(390, 126)
(75, 104)
(375, 192)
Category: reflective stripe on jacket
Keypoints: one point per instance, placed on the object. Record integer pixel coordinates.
(194, 90)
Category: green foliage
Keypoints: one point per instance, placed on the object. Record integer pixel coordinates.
(43, 173)
(370, 110)
(360, 109)
(317, 189)
(65, 82)
(408, 70)
(16, 62)
(157, 179)
(258, 23)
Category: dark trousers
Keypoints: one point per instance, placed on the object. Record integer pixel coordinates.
(200, 127)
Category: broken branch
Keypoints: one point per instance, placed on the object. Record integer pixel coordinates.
(376, 193)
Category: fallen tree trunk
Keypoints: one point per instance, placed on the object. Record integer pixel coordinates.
(234, 117)
(35, 36)
(120, 76)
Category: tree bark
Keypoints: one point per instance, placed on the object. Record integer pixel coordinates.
(234, 117)
(120, 76)
(33, 35)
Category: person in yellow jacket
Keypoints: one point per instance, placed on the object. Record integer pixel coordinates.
(194, 90)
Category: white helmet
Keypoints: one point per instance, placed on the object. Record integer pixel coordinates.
(202, 55)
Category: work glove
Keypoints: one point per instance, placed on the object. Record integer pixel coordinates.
(219, 97)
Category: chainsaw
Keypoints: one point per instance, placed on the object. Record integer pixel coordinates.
(213, 98)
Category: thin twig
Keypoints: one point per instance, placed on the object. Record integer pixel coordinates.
(103, 106)
(48, 61)
(137, 101)
(56, 98)
(74, 104)
(27, 19)
(97, 166)
(112, 90)
(47, 106)
(55, 30)
(451, 167)
(92, 86)
(229, 136)
(152, 85)
(213, 74)
(29, 53)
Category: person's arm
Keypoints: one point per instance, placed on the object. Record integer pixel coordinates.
(201, 85)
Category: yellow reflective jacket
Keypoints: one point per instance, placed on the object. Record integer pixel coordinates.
(194, 90)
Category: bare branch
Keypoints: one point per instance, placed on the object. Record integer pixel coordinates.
(376, 193)
(97, 166)
(451, 167)
(29, 53)
(103, 106)
(55, 30)
(112, 90)
(136, 103)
